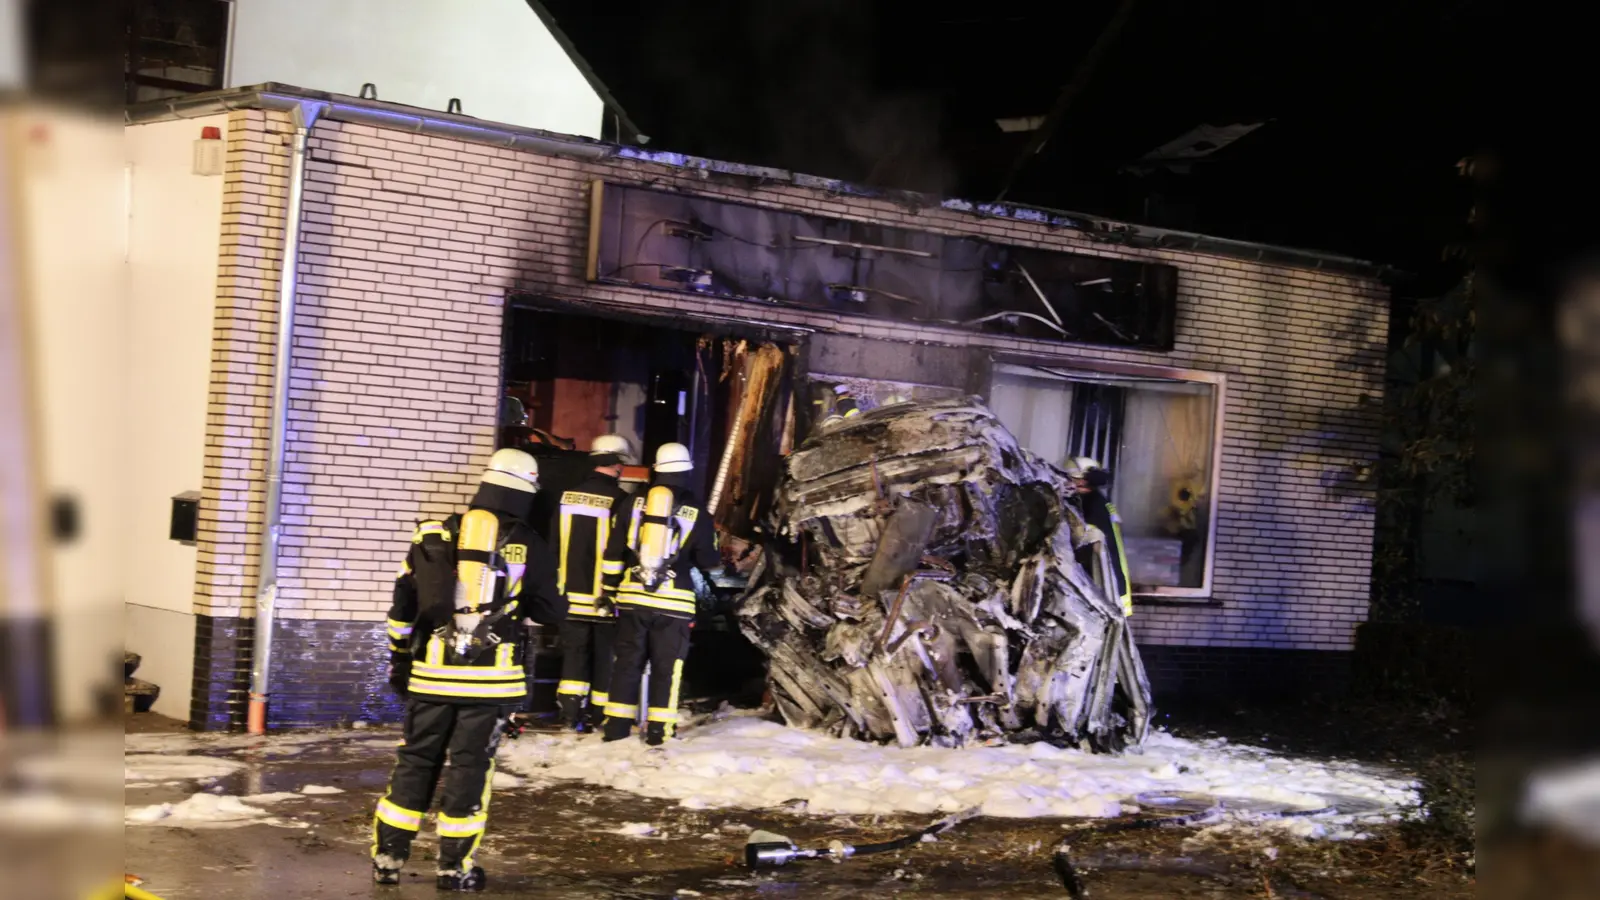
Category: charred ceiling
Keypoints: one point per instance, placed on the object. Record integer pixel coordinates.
(674, 241)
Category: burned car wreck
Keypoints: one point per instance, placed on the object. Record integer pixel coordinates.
(925, 586)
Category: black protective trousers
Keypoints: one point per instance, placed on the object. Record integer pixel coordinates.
(465, 735)
(586, 648)
(644, 635)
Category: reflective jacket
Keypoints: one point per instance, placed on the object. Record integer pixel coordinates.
(1102, 514)
(693, 547)
(582, 526)
(420, 616)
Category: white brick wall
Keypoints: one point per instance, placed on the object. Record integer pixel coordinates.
(412, 242)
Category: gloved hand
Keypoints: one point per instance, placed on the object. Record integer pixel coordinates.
(606, 603)
(400, 674)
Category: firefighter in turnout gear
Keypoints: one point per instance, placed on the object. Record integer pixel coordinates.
(585, 518)
(1092, 481)
(466, 584)
(648, 564)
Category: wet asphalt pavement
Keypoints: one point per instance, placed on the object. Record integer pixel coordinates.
(562, 841)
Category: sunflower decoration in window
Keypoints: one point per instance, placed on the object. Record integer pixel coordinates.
(1182, 518)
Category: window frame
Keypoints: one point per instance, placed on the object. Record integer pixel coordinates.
(1065, 366)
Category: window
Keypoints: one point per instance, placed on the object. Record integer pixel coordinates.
(867, 393)
(1158, 431)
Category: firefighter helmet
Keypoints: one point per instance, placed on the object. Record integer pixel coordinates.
(673, 458)
(513, 469)
(613, 445)
(1080, 466)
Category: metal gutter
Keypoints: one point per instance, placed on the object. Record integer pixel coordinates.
(344, 108)
(305, 116)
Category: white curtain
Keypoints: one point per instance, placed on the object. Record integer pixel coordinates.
(1163, 488)
(1035, 410)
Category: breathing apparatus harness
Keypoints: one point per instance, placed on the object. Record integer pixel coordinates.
(659, 532)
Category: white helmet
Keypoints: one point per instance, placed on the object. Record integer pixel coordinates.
(673, 458)
(1079, 466)
(613, 445)
(513, 469)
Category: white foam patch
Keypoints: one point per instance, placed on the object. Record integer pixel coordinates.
(320, 790)
(1566, 798)
(158, 767)
(201, 811)
(634, 829)
(749, 763)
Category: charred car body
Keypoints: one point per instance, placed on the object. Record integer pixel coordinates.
(923, 586)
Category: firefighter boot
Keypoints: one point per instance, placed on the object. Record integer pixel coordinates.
(617, 728)
(595, 715)
(571, 711)
(386, 869)
(464, 881)
(655, 733)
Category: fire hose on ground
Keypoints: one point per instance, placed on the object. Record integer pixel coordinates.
(766, 850)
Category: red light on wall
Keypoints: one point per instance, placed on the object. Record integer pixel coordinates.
(211, 133)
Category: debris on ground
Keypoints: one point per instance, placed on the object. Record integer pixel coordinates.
(927, 586)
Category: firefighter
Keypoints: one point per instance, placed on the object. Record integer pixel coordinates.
(1093, 483)
(844, 407)
(466, 584)
(582, 527)
(648, 563)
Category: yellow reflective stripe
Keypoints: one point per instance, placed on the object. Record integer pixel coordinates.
(398, 630)
(470, 673)
(391, 813)
(681, 606)
(658, 714)
(566, 547)
(405, 568)
(464, 826)
(574, 688)
(672, 696)
(598, 698)
(611, 567)
(483, 810)
(622, 710)
(435, 653)
(427, 528)
(493, 691)
(602, 532)
(629, 586)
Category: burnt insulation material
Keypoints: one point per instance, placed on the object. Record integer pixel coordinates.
(925, 587)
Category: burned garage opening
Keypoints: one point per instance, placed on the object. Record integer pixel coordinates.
(725, 392)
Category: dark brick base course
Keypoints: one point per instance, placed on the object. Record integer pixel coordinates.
(1244, 673)
(324, 673)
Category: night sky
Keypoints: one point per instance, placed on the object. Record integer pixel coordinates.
(1368, 106)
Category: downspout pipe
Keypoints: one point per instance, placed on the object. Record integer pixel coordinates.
(305, 115)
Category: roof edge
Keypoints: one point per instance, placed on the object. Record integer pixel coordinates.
(382, 114)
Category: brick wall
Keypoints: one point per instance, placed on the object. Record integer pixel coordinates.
(412, 242)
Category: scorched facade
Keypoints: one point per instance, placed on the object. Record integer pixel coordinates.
(1239, 416)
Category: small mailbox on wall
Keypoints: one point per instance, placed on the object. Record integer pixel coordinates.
(185, 517)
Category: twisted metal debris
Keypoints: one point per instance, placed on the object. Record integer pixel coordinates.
(926, 587)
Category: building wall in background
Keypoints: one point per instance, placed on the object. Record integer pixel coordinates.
(174, 222)
(496, 56)
(397, 364)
